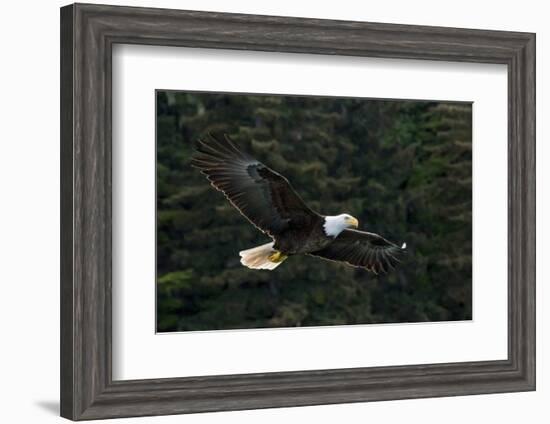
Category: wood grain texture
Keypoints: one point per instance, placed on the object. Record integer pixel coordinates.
(66, 211)
(88, 33)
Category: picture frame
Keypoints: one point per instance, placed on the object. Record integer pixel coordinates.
(88, 33)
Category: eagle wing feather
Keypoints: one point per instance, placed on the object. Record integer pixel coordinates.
(260, 194)
(362, 249)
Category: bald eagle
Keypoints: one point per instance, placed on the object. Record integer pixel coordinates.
(269, 202)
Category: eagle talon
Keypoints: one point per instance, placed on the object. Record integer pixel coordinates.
(277, 257)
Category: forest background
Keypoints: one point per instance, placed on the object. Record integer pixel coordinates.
(402, 167)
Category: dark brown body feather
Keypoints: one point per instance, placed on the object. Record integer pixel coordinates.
(268, 201)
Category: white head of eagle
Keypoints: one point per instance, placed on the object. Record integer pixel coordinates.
(334, 225)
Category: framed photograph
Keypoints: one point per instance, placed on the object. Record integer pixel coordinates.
(264, 211)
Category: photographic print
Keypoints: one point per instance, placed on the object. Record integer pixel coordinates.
(295, 211)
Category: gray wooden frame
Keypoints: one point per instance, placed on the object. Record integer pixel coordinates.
(88, 33)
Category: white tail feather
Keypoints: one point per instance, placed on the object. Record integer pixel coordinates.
(258, 257)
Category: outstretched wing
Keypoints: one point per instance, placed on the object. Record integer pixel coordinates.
(262, 195)
(362, 249)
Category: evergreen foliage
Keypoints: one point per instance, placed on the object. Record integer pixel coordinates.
(403, 168)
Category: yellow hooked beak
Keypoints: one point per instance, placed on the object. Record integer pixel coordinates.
(352, 222)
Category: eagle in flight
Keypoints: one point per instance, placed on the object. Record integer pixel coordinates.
(269, 202)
